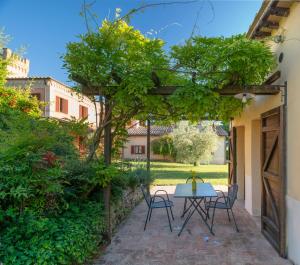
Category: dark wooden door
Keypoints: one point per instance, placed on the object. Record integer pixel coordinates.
(232, 157)
(273, 178)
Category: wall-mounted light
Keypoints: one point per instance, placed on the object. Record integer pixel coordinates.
(244, 97)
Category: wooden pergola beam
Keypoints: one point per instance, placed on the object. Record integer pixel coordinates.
(279, 11)
(254, 89)
(268, 20)
(265, 89)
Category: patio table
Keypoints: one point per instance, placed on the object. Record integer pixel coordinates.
(203, 190)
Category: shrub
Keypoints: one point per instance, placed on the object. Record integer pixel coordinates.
(164, 146)
(69, 238)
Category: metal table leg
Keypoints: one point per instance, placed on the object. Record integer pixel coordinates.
(197, 207)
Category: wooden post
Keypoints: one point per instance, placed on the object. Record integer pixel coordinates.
(107, 159)
(148, 145)
(148, 152)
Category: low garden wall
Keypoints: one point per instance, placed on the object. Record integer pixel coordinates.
(121, 208)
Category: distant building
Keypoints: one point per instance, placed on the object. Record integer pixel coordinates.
(61, 101)
(136, 145)
(19, 67)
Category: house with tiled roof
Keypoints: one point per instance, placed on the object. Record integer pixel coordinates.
(62, 102)
(136, 145)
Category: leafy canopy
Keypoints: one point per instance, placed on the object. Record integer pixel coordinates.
(214, 63)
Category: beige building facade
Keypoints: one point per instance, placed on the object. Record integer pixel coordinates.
(136, 145)
(61, 101)
(256, 171)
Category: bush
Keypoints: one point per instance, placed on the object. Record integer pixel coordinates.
(164, 146)
(69, 238)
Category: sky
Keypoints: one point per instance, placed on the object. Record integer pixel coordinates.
(44, 27)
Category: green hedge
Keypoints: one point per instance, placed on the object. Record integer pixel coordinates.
(70, 238)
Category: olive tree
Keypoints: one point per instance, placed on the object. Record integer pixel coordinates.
(192, 144)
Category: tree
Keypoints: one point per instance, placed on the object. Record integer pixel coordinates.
(163, 146)
(209, 64)
(192, 145)
(116, 62)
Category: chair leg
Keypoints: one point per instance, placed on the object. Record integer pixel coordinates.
(212, 220)
(150, 214)
(172, 213)
(169, 219)
(184, 208)
(207, 214)
(236, 227)
(228, 215)
(147, 219)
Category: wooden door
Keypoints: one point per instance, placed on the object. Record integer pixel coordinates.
(273, 178)
(232, 157)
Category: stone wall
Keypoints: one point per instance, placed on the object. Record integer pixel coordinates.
(123, 207)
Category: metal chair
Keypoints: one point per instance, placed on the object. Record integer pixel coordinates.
(189, 180)
(225, 203)
(153, 204)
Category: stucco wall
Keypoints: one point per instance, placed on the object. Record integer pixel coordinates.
(74, 100)
(290, 72)
(49, 89)
(219, 156)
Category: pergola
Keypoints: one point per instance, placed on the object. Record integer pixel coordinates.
(267, 88)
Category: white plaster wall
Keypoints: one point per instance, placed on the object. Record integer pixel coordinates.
(293, 221)
(290, 72)
(240, 161)
(49, 89)
(74, 100)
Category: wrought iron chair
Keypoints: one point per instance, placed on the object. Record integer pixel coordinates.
(189, 180)
(152, 203)
(225, 203)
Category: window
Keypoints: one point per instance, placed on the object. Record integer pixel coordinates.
(37, 95)
(61, 105)
(83, 112)
(137, 149)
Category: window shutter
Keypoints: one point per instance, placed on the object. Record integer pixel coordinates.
(80, 112)
(143, 149)
(57, 104)
(86, 112)
(132, 149)
(65, 106)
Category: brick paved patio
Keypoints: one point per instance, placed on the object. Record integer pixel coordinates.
(158, 246)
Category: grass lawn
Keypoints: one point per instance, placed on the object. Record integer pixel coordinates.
(173, 173)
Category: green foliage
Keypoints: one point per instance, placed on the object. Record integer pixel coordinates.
(163, 146)
(32, 154)
(69, 238)
(192, 145)
(18, 100)
(217, 62)
(3, 63)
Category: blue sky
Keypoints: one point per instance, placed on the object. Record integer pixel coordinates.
(45, 26)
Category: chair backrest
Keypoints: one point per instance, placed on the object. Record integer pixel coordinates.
(197, 178)
(146, 194)
(232, 193)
